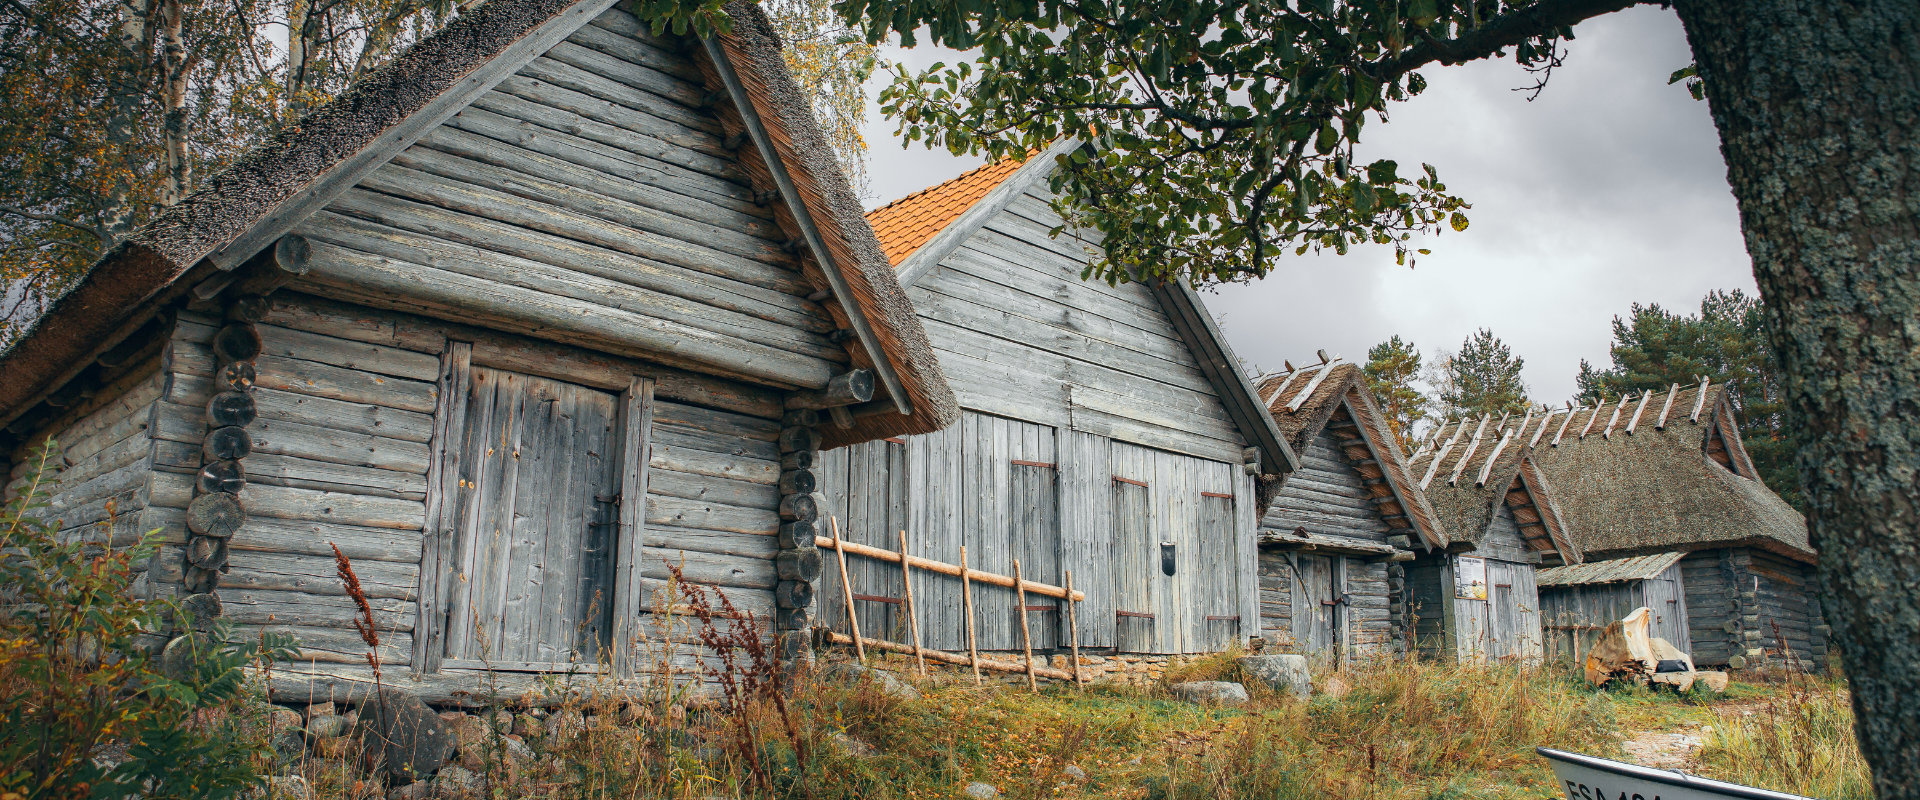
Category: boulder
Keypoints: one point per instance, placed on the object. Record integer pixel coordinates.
(564, 725)
(327, 726)
(886, 682)
(982, 791)
(1280, 673)
(1211, 693)
(402, 737)
(321, 709)
(283, 787)
(455, 781)
(1713, 679)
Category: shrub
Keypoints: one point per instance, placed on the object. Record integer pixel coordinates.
(80, 681)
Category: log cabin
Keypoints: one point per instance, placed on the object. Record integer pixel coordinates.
(1667, 472)
(543, 310)
(1479, 600)
(1105, 430)
(1335, 538)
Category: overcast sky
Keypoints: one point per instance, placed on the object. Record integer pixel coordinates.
(1607, 190)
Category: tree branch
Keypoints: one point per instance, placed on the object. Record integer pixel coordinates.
(1500, 32)
(92, 230)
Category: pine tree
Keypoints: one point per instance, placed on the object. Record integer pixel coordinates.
(1483, 378)
(1654, 348)
(1391, 368)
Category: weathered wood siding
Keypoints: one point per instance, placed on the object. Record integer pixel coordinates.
(1736, 597)
(340, 457)
(1327, 496)
(588, 199)
(1020, 335)
(98, 472)
(1062, 509)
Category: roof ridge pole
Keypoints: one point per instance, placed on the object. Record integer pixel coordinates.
(1432, 439)
(1608, 433)
(1638, 410)
(1661, 424)
(1307, 391)
(1441, 455)
(1595, 418)
(1461, 465)
(1285, 380)
(1487, 471)
(1701, 401)
(1545, 423)
(1572, 410)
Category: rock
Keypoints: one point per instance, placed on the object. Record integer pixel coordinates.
(403, 737)
(455, 781)
(333, 749)
(284, 787)
(1713, 679)
(1211, 693)
(411, 791)
(1280, 673)
(526, 725)
(321, 710)
(1075, 772)
(1335, 687)
(886, 682)
(281, 719)
(452, 717)
(288, 746)
(564, 725)
(853, 747)
(501, 720)
(982, 791)
(327, 726)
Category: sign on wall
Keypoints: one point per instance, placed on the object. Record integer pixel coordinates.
(1470, 578)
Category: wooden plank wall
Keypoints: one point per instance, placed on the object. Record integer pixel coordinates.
(1712, 606)
(588, 199)
(1277, 600)
(1785, 598)
(1507, 623)
(340, 456)
(1328, 497)
(1020, 335)
(98, 473)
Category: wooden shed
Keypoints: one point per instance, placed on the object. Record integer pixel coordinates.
(544, 306)
(1101, 428)
(1501, 511)
(1334, 538)
(1578, 601)
(1666, 472)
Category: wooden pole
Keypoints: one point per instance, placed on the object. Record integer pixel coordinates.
(943, 568)
(966, 592)
(906, 586)
(1073, 633)
(1026, 637)
(846, 592)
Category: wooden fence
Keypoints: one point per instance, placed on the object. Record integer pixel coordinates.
(967, 577)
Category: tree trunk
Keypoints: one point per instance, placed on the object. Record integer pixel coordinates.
(134, 36)
(1817, 103)
(173, 85)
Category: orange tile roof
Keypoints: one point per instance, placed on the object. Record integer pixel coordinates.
(907, 223)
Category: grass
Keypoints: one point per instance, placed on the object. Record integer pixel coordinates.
(1405, 730)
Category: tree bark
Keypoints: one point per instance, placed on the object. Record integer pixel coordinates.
(1817, 102)
(174, 69)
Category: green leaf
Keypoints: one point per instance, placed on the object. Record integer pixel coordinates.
(1459, 221)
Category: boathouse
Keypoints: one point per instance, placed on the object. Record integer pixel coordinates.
(1664, 472)
(1334, 540)
(1106, 431)
(544, 307)
(1479, 600)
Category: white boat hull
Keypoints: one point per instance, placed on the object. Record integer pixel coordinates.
(1584, 777)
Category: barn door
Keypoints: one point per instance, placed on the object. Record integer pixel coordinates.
(1218, 584)
(1034, 517)
(1136, 566)
(1503, 611)
(535, 526)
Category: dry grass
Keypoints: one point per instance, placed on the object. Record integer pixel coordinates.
(1800, 740)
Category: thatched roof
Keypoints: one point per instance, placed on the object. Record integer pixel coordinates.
(1303, 401)
(238, 211)
(1471, 466)
(1663, 471)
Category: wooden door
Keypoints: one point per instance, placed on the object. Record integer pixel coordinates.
(535, 525)
(1503, 615)
(1034, 517)
(1218, 577)
(1136, 567)
(1317, 607)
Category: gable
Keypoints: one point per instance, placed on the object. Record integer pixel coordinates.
(1019, 334)
(591, 196)
(1327, 496)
